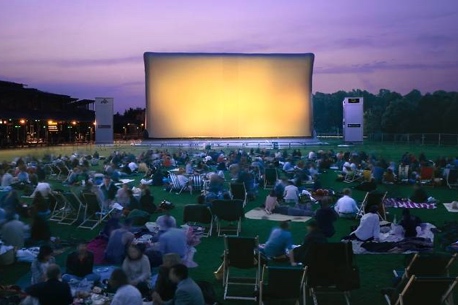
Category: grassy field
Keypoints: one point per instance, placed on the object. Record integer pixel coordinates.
(376, 270)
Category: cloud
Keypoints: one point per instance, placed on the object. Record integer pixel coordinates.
(383, 66)
(84, 62)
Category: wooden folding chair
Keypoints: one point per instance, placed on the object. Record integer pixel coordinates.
(373, 198)
(424, 290)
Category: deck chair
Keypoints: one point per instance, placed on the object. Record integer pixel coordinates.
(93, 213)
(241, 253)
(403, 173)
(51, 171)
(352, 176)
(423, 290)
(198, 214)
(427, 264)
(270, 178)
(238, 192)
(452, 178)
(74, 206)
(230, 211)
(373, 198)
(283, 283)
(197, 183)
(426, 175)
(327, 263)
(175, 184)
(61, 209)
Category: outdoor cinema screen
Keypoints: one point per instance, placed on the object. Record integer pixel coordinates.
(199, 95)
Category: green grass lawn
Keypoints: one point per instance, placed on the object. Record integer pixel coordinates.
(376, 270)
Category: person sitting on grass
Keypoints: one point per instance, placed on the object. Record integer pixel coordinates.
(51, 291)
(280, 241)
(137, 268)
(120, 239)
(126, 294)
(409, 223)
(314, 235)
(79, 265)
(419, 194)
(346, 206)
(41, 263)
(291, 193)
(188, 292)
(369, 226)
(325, 217)
(164, 286)
(271, 202)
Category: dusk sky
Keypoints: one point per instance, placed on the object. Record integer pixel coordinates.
(95, 48)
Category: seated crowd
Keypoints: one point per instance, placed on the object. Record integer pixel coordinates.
(296, 193)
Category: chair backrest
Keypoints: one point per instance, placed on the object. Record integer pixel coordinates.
(174, 179)
(284, 282)
(270, 175)
(229, 210)
(239, 251)
(426, 290)
(452, 176)
(403, 172)
(197, 182)
(326, 263)
(374, 198)
(429, 264)
(73, 200)
(238, 191)
(197, 213)
(92, 202)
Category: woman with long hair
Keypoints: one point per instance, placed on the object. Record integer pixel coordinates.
(138, 269)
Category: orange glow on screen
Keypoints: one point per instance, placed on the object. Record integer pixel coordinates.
(227, 96)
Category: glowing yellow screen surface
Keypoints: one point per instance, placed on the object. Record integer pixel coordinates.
(228, 95)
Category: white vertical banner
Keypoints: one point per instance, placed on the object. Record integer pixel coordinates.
(104, 120)
(353, 119)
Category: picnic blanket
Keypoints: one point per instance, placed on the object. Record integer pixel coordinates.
(260, 213)
(393, 242)
(407, 204)
(449, 207)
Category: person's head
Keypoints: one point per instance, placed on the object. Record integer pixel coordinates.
(118, 278)
(167, 222)
(373, 209)
(134, 253)
(146, 191)
(346, 192)
(125, 186)
(178, 273)
(53, 272)
(171, 259)
(284, 225)
(405, 213)
(82, 247)
(106, 179)
(272, 193)
(326, 201)
(312, 225)
(45, 253)
(127, 223)
(38, 196)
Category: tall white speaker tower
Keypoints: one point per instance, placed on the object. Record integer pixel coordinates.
(353, 119)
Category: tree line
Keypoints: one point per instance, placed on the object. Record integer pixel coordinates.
(384, 112)
(390, 112)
